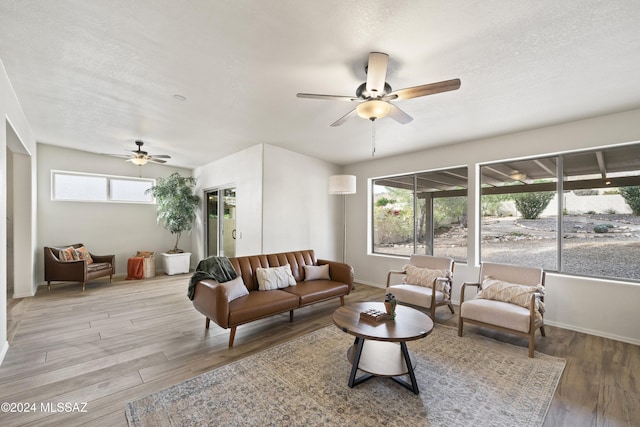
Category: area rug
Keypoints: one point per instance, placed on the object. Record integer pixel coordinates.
(468, 381)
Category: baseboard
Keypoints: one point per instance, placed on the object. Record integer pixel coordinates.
(3, 351)
(364, 282)
(593, 332)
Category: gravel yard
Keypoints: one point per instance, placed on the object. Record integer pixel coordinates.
(615, 253)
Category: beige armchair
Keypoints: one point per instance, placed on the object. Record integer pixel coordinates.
(427, 282)
(503, 303)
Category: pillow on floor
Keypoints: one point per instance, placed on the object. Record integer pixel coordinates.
(513, 293)
(316, 272)
(425, 277)
(235, 288)
(275, 278)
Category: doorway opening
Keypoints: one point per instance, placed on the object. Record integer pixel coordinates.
(221, 222)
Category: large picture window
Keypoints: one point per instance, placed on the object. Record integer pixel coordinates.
(583, 224)
(423, 213)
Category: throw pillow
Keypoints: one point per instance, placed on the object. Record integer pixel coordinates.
(513, 293)
(83, 254)
(316, 272)
(67, 254)
(235, 288)
(275, 278)
(425, 277)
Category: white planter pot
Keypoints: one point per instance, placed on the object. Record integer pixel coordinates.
(176, 263)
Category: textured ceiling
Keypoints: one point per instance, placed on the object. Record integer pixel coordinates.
(96, 75)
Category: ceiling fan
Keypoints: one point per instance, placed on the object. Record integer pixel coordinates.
(374, 96)
(141, 158)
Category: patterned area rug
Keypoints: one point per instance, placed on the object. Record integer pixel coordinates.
(469, 381)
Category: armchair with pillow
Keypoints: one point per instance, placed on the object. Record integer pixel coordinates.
(74, 263)
(426, 282)
(510, 299)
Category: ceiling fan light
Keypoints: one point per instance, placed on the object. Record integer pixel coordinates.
(140, 161)
(373, 109)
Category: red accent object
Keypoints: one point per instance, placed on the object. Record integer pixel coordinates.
(135, 268)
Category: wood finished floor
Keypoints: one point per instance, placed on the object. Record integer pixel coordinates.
(122, 341)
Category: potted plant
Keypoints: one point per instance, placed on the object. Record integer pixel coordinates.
(176, 206)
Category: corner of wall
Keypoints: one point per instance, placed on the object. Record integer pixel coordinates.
(3, 350)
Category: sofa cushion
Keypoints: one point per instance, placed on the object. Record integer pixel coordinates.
(415, 295)
(506, 315)
(83, 254)
(316, 272)
(98, 266)
(274, 278)
(235, 288)
(67, 254)
(257, 305)
(317, 290)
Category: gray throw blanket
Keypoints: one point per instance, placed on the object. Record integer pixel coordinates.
(218, 268)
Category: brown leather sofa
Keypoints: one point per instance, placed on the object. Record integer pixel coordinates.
(76, 271)
(211, 299)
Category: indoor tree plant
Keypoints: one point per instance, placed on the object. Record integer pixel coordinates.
(176, 204)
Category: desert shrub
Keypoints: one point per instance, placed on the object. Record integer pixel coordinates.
(448, 210)
(601, 228)
(531, 205)
(591, 212)
(491, 204)
(383, 201)
(631, 195)
(610, 211)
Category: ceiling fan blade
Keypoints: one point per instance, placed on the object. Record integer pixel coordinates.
(154, 160)
(328, 97)
(377, 73)
(398, 115)
(423, 90)
(161, 156)
(344, 118)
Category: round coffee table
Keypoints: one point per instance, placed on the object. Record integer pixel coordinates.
(380, 348)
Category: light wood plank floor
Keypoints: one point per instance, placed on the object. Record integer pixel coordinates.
(122, 341)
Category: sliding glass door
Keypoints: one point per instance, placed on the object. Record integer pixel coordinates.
(221, 222)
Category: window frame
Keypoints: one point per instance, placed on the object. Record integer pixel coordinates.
(414, 176)
(108, 179)
(563, 183)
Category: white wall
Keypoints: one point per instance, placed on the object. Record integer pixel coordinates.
(299, 213)
(15, 137)
(600, 307)
(242, 170)
(282, 202)
(105, 228)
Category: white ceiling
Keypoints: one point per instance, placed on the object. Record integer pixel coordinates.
(96, 75)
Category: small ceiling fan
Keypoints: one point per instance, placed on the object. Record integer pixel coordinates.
(141, 158)
(374, 96)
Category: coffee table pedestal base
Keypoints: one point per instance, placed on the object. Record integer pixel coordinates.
(380, 358)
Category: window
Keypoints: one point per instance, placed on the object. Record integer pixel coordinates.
(82, 187)
(591, 230)
(423, 213)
